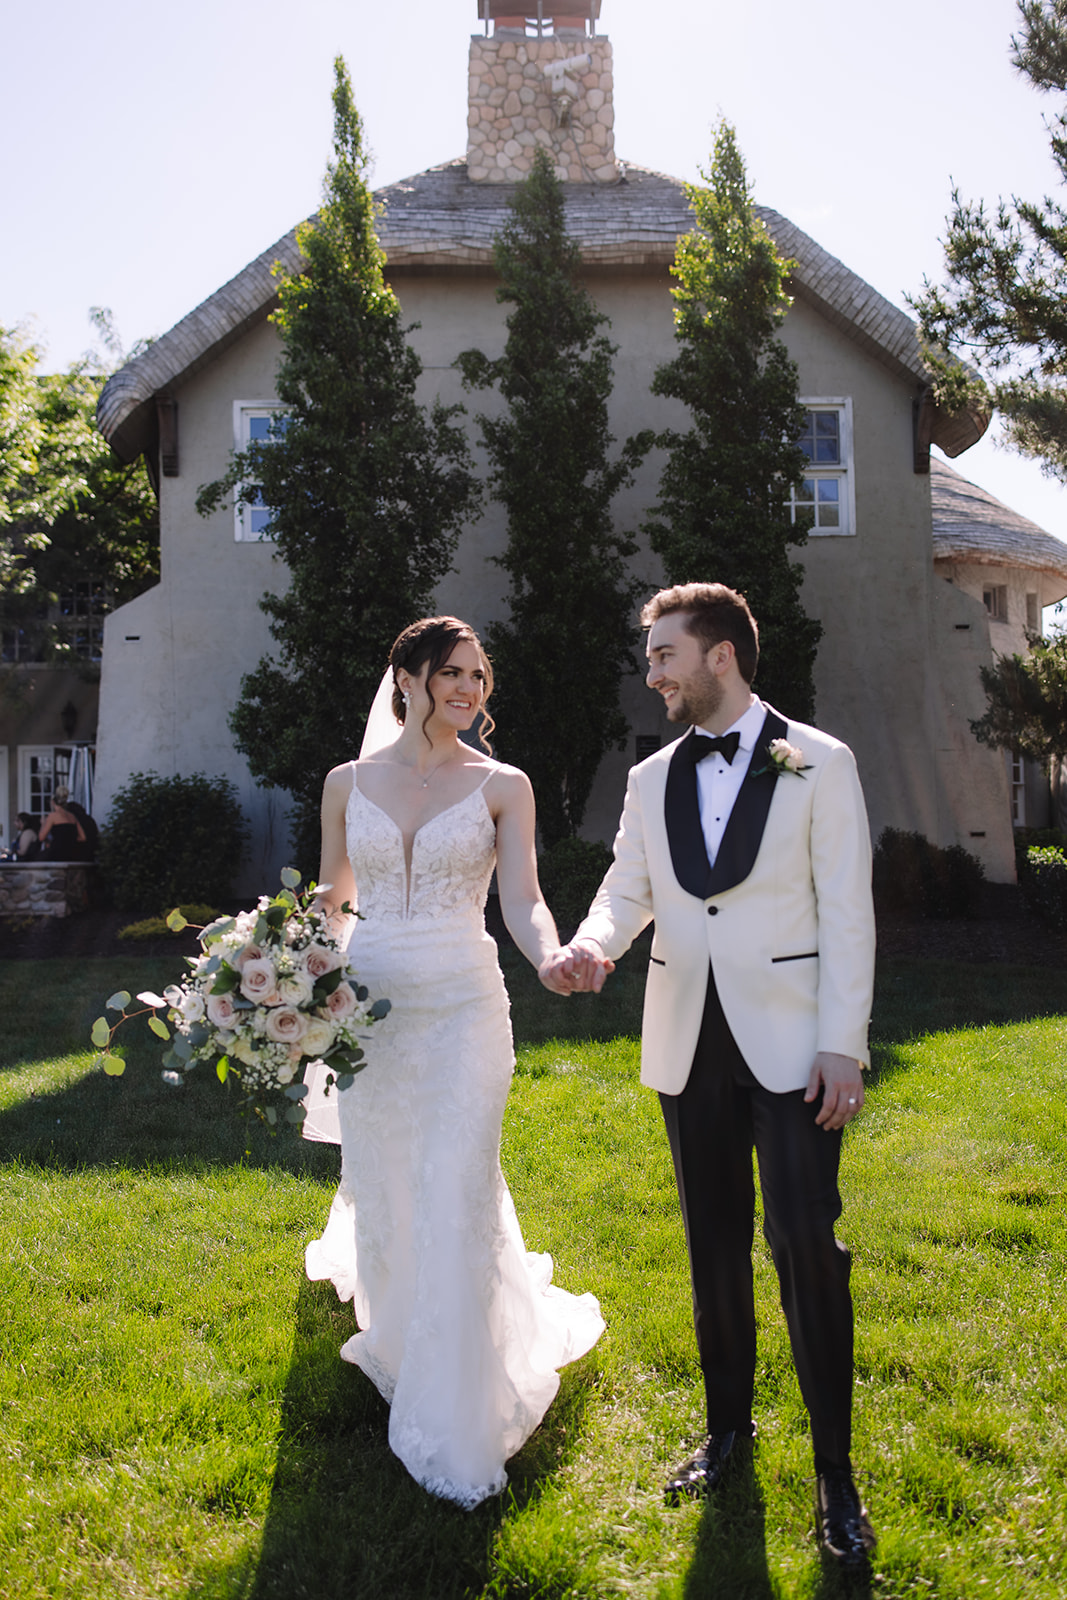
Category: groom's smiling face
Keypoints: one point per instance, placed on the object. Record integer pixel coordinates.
(678, 670)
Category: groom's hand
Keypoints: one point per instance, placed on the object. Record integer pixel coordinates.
(575, 969)
(841, 1082)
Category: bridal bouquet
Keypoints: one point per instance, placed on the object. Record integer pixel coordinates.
(271, 992)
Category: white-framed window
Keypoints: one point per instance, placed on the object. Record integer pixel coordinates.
(255, 422)
(827, 495)
(995, 596)
(42, 769)
(1018, 789)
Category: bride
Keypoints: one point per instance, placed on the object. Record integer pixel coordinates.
(461, 1329)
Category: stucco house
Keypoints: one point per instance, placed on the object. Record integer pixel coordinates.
(899, 576)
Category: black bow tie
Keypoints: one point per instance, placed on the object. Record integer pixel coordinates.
(700, 746)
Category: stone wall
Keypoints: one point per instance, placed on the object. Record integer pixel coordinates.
(43, 888)
(513, 107)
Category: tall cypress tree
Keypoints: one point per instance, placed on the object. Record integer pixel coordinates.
(367, 492)
(723, 510)
(560, 656)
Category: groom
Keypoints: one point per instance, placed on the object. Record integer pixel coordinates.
(747, 843)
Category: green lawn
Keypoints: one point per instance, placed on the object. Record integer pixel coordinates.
(175, 1421)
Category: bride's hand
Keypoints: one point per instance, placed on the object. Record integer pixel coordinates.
(575, 969)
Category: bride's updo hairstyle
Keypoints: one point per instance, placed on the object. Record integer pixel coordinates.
(429, 643)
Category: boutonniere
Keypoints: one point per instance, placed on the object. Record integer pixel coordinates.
(783, 757)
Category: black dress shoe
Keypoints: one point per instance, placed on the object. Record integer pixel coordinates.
(705, 1470)
(844, 1529)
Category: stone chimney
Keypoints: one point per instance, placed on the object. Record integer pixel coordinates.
(542, 79)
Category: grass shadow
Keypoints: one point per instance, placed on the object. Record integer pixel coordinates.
(138, 1120)
(345, 1517)
(730, 1556)
(914, 997)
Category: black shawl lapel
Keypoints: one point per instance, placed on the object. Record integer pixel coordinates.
(744, 831)
(689, 853)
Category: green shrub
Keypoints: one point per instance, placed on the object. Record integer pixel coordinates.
(570, 874)
(1042, 838)
(169, 840)
(912, 875)
(1043, 879)
(156, 927)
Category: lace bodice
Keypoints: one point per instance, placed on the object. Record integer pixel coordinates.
(452, 859)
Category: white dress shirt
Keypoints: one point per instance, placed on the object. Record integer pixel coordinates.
(719, 781)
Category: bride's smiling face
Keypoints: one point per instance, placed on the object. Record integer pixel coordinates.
(458, 689)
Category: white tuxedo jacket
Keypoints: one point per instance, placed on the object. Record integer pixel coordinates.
(785, 915)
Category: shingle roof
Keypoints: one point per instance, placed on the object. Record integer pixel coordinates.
(971, 525)
(440, 218)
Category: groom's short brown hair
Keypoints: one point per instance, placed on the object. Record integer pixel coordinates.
(713, 613)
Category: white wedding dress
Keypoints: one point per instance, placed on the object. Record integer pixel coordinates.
(461, 1327)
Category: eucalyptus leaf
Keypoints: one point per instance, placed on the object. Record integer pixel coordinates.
(212, 964)
(114, 1066)
(176, 921)
(290, 877)
(380, 1009)
(346, 1080)
(295, 1114)
(159, 1027)
(150, 998)
(327, 983)
(101, 1034)
(198, 1034)
(215, 930)
(362, 992)
(271, 1115)
(172, 1061)
(296, 1091)
(118, 1001)
(222, 1068)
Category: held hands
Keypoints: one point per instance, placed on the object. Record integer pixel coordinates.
(575, 969)
(842, 1084)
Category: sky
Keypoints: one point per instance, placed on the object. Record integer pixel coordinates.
(150, 154)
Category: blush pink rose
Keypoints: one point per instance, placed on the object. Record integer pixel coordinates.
(285, 1024)
(319, 960)
(221, 1011)
(250, 952)
(259, 981)
(342, 1002)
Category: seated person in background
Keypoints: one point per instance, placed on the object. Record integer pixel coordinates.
(87, 850)
(27, 844)
(61, 832)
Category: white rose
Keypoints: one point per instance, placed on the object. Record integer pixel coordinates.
(295, 990)
(285, 1073)
(318, 1037)
(191, 1006)
(245, 1051)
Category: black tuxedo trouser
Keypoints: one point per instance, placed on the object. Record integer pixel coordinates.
(722, 1114)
